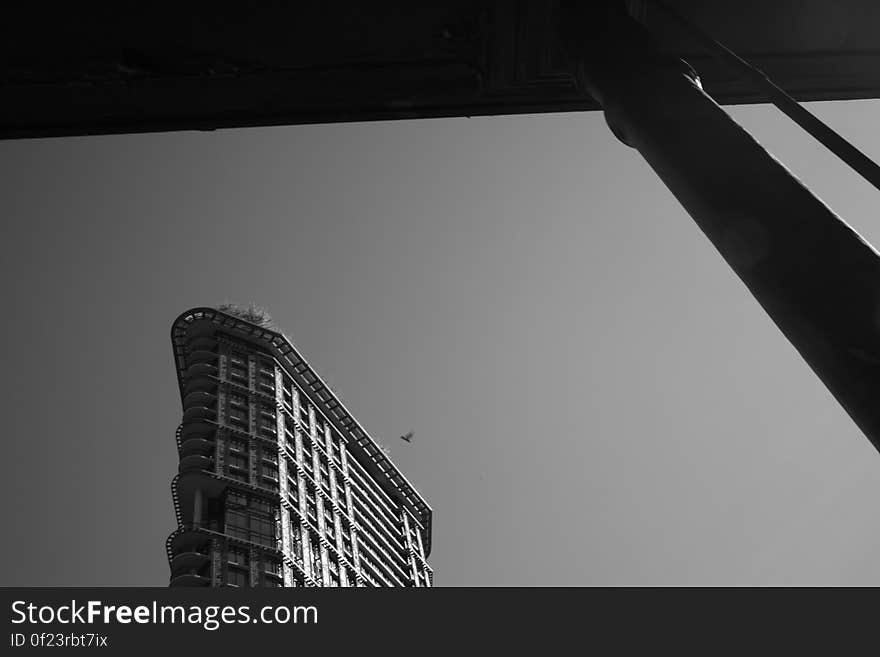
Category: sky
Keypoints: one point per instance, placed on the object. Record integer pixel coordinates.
(596, 398)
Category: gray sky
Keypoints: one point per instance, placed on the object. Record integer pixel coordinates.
(596, 397)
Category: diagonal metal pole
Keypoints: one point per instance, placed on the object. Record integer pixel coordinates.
(828, 137)
(816, 278)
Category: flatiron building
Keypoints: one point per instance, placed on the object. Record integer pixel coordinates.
(278, 485)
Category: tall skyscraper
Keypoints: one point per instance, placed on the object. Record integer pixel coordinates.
(278, 484)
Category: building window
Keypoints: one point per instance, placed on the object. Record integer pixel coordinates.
(238, 577)
(236, 461)
(261, 506)
(238, 367)
(317, 568)
(237, 524)
(268, 422)
(266, 381)
(237, 556)
(238, 410)
(263, 531)
(296, 540)
(250, 519)
(250, 527)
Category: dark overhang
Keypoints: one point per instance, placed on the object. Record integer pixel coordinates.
(136, 68)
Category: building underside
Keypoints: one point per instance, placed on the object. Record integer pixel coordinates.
(137, 69)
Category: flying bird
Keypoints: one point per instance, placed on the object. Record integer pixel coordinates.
(408, 436)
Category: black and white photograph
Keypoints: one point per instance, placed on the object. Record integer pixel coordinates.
(535, 300)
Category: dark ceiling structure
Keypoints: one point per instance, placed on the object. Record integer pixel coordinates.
(140, 69)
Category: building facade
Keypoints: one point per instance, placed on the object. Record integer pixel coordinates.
(278, 485)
